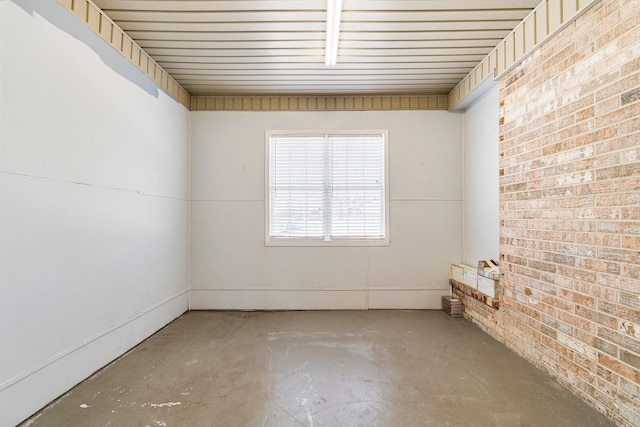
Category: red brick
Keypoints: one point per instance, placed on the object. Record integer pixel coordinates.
(570, 208)
(618, 366)
(577, 298)
(620, 311)
(608, 348)
(630, 300)
(578, 322)
(597, 317)
(630, 184)
(617, 338)
(619, 255)
(578, 274)
(621, 281)
(631, 242)
(630, 358)
(600, 292)
(608, 132)
(597, 239)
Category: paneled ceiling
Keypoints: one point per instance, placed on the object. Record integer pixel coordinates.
(276, 47)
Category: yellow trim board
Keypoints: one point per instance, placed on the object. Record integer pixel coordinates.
(547, 19)
(318, 103)
(89, 13)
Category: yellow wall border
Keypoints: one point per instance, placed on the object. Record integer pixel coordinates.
(101, 24)
(549, 17)
(318, 103)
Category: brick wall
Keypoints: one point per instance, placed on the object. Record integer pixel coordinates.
(570, 210)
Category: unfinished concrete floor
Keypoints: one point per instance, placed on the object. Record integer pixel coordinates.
(319, 368)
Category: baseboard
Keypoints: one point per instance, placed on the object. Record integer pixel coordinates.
(406, 299)
(23, 396)
(315, 299)
(277, 299)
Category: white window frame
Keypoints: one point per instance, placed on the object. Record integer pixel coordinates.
(295, 241)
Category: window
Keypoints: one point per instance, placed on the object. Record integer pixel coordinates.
(327, 188)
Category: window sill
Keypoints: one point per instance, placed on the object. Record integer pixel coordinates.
(330, 243)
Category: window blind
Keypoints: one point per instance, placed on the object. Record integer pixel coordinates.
(327, 187)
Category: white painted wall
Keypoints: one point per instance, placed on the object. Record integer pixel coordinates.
(481, 169)
(232, 269)
(94, 167)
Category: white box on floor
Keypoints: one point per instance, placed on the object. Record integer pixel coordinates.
(487, 286)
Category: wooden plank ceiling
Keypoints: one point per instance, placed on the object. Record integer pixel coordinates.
(276, 47)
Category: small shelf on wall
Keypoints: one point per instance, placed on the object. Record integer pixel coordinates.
(466, 281)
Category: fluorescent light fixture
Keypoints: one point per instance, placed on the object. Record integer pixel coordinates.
(334, 9)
